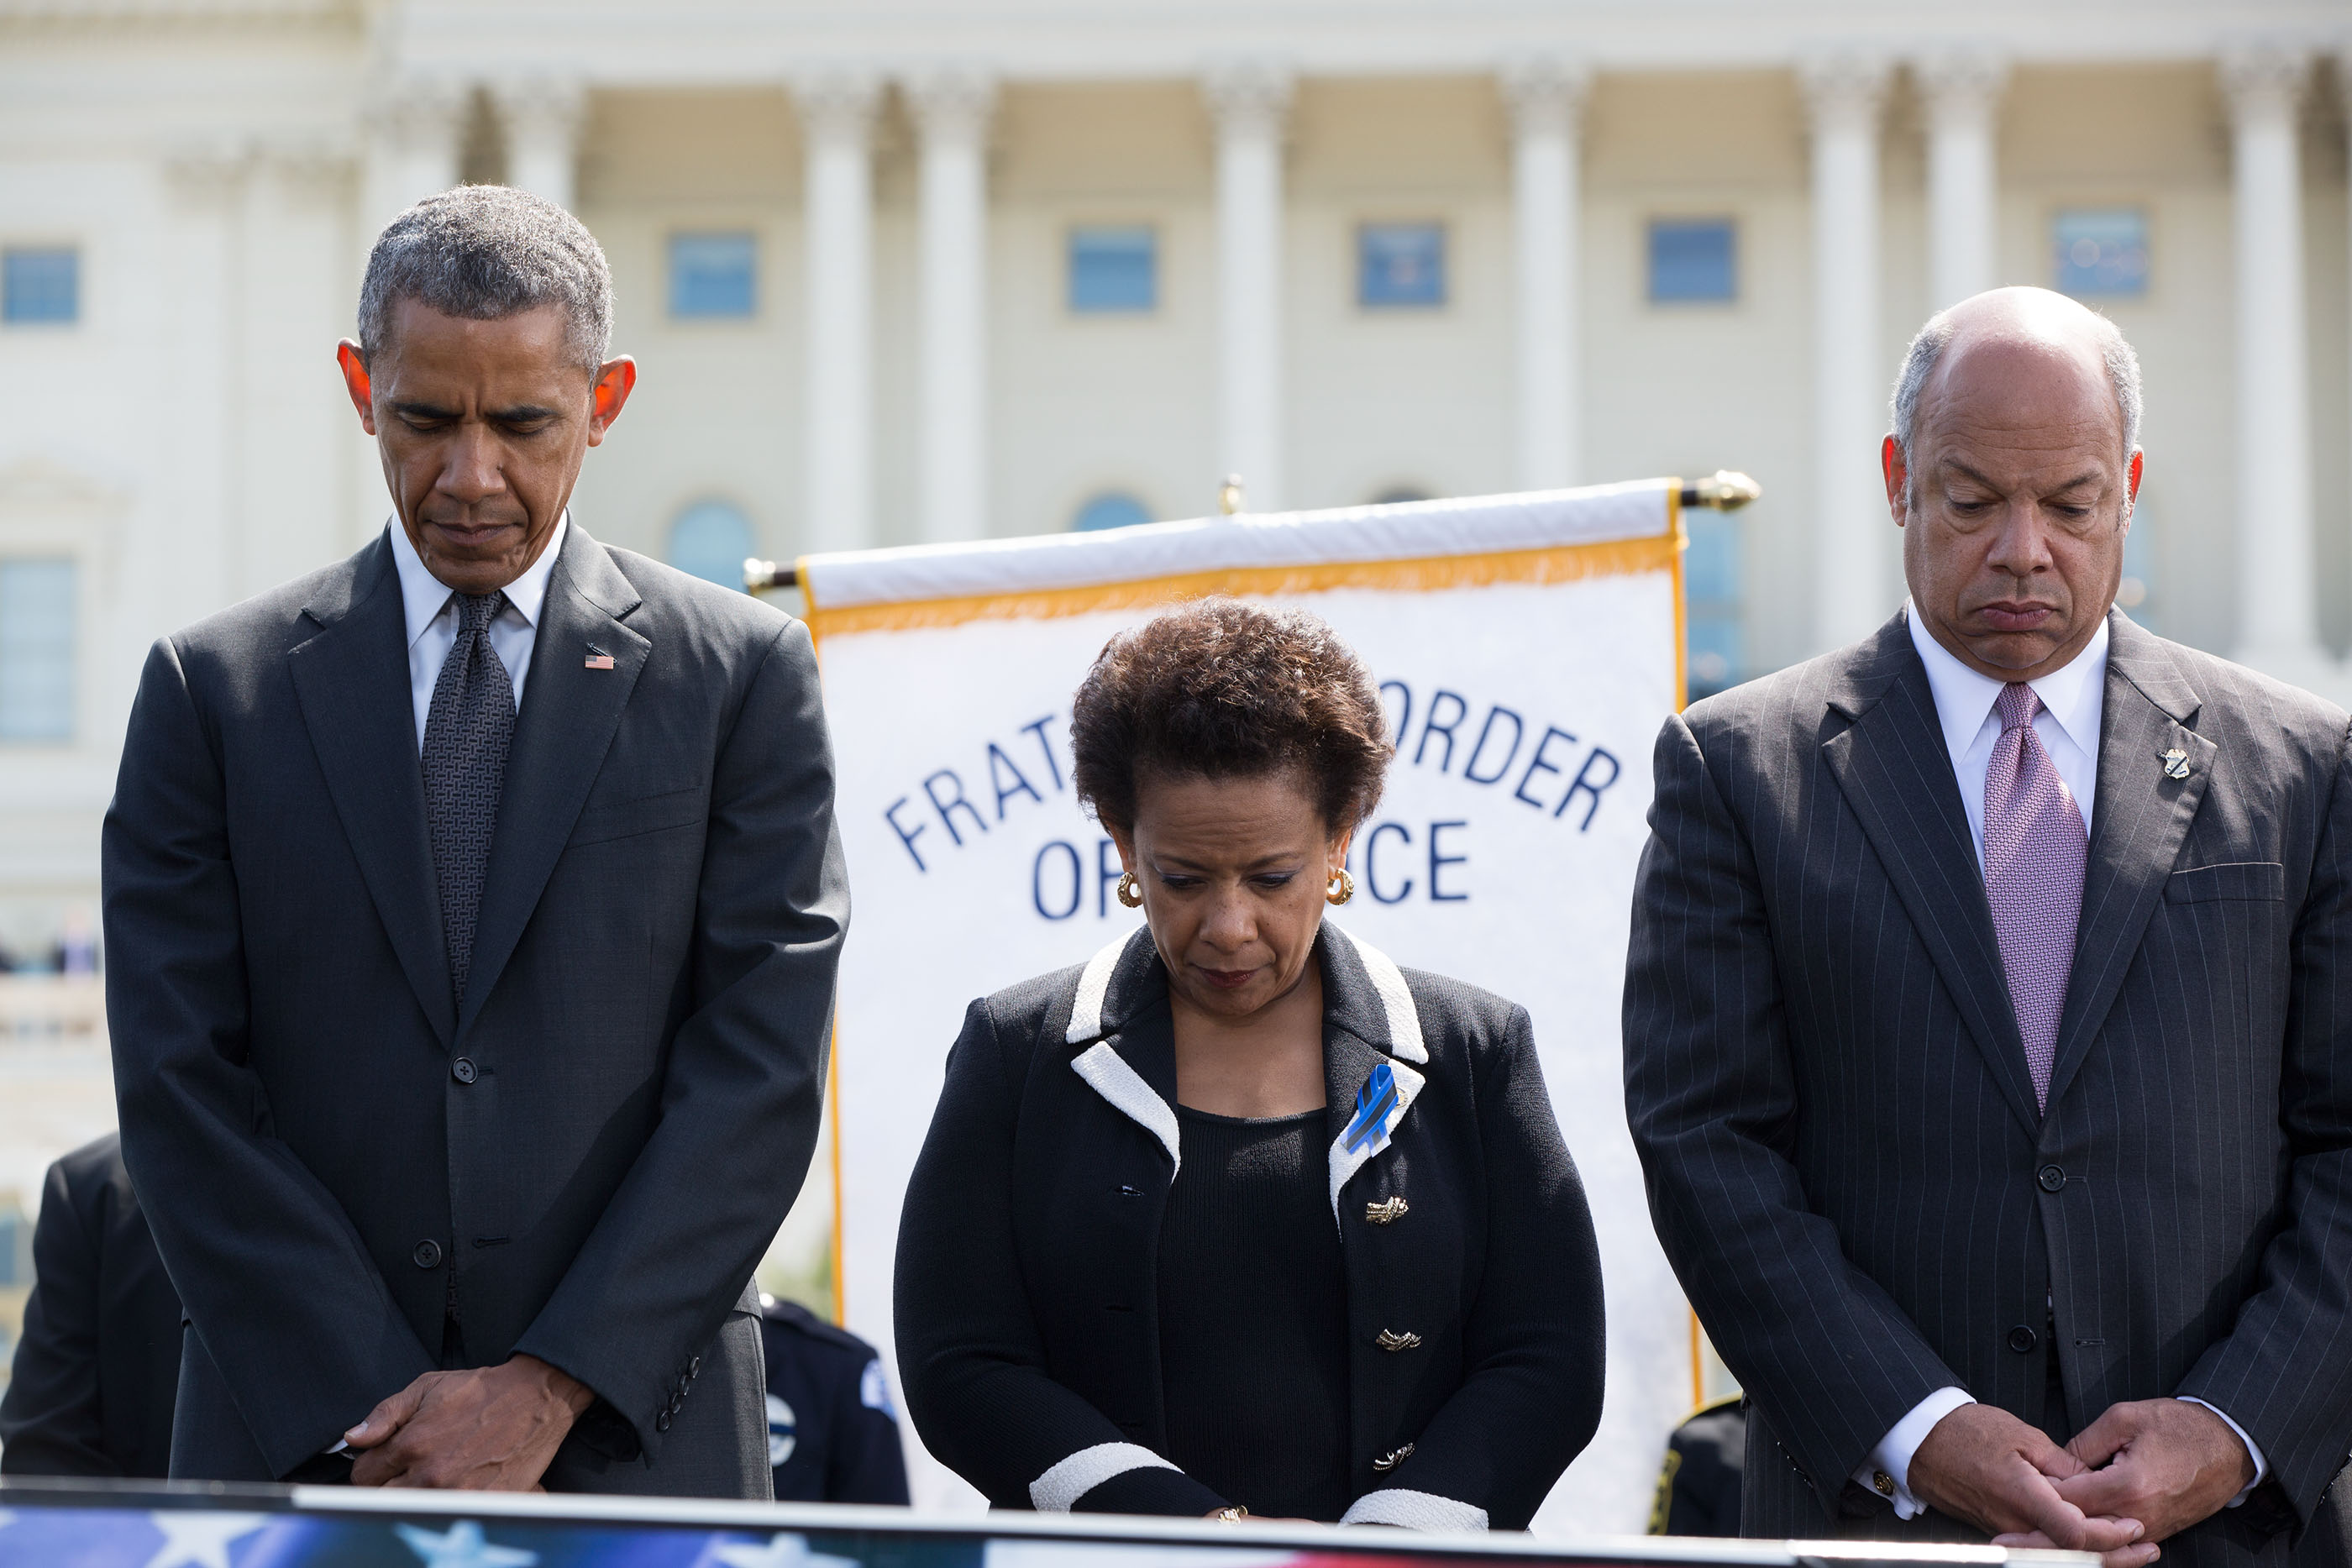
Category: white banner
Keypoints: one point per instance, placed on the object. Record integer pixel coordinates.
(1528, 648)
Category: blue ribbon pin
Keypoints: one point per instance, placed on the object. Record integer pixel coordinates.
(1375, 1103)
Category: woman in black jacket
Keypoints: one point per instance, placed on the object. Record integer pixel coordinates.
(1239, 1216)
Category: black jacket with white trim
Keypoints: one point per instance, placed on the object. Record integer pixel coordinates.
(1026, 1299)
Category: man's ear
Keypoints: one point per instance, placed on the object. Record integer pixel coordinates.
(615, 380)
(355, 381)
(2131, 485)
(1899, 480)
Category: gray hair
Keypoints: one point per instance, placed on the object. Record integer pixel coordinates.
(483, 253)
(1919, 362)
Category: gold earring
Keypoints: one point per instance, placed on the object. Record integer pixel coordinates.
(1130, 892)
(1340, 888)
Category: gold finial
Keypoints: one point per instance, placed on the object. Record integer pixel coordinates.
(1229, 496)
(1725, 490)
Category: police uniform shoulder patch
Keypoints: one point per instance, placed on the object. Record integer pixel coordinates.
(874, 1389)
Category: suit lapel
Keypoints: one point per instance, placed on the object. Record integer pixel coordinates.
(2138, 824)
(1368, 1019)
(569, 716)
(351, 681)
(1896, 772)
(1121, 1020)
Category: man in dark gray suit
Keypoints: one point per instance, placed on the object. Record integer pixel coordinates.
(472, 908)
(1985, 1014)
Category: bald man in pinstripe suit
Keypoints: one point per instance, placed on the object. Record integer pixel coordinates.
(1987, 1015)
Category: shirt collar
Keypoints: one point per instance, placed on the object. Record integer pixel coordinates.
(2072, 694)
(423, 596)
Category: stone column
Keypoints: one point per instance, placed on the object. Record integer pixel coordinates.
(952, 107)
(837, 109)
(413, 127)
(1962, 91)
(1249, 102)
(1546, 103)
(1855, 577)
(544, 116)
(2278, 600)
(197, 568)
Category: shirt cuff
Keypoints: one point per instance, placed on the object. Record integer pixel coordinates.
(2253, 1450)
(1887, 1472)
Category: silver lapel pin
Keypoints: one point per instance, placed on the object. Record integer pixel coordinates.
(2175, 764)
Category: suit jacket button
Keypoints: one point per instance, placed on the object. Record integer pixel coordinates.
(2022, 1340)
(428, 1255)
(462, 1070)
(661, 1422)
(2052, 1177)
(1390, 1340)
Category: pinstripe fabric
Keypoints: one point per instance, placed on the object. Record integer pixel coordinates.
(1827, 1086)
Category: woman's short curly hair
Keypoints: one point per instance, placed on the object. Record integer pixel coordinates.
(1221, 689)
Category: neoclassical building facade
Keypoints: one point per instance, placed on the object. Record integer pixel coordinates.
(899, 271)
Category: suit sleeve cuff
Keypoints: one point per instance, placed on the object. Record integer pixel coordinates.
(2253, 1450)
(1887, 1472)
(1120, 1478)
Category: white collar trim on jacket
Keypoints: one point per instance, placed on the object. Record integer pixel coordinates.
(1107, 1071)
(1111, 1076)
(1396, 999)
(1094, 988)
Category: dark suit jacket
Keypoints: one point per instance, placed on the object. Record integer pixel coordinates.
(1831, 1099)
(1029, 1246)
(96, 1371)
(581, 1158)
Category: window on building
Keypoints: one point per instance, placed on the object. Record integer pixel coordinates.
(1111, 510)
(710, 540)
(713, 276)
(37, 650)
(1693, 261)
(1114, 269)
(1716, 652)
(1401, 267)
(40, 286)
(2101, 252)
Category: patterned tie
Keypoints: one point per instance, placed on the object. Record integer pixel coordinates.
(466, 731)
(2034, 850)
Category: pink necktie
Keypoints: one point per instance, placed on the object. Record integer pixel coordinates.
(2034, 848)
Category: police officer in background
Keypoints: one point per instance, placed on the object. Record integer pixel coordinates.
(99, 1366)
(833, 1434)
(1698, 1487)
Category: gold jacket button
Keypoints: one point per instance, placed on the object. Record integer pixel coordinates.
(1392, 1340)
(1392, 1458)
(1387, 1211)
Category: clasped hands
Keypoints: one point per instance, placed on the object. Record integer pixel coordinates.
(2140, 1474)
(492, 1428)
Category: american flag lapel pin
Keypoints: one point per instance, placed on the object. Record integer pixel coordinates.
(598, 659)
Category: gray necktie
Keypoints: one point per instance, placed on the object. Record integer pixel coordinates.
(2034, 854)
(467, 732)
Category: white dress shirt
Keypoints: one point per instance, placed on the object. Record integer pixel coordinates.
(2073, 698)
(432, 612)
